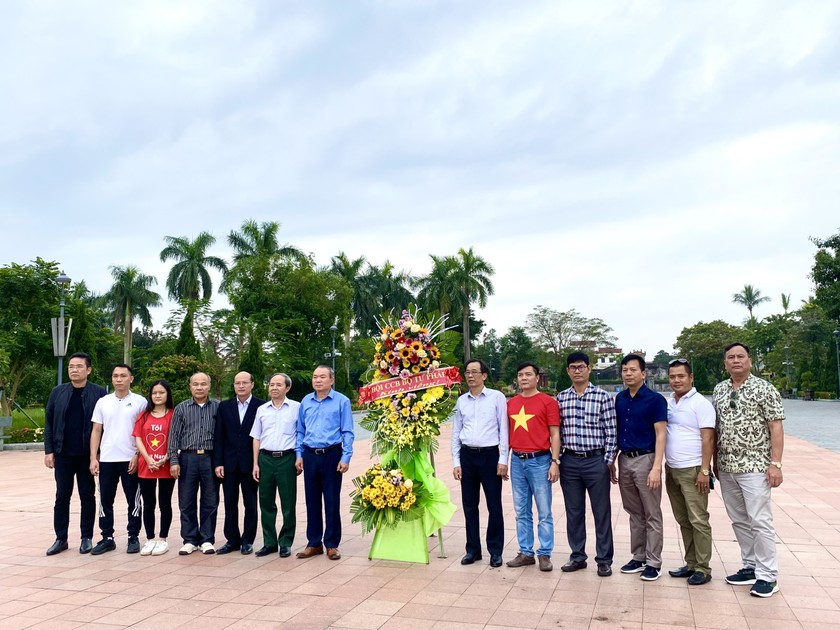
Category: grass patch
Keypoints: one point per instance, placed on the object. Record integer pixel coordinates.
(20, 421)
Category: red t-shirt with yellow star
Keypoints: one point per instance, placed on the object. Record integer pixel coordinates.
(529, 419)
(155, 435)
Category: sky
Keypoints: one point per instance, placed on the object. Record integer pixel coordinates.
(638, 162)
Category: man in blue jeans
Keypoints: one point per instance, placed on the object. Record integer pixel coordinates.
(534, 433)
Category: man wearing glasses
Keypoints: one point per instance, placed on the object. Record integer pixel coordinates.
(688, 459)
(479, 459)
(749, 462)
(588, 438)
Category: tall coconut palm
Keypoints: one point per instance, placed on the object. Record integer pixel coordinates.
(255, 240)
(437, 289)
(471, 277)
(350, 271)
(749, 297)
(189, 278)
(390, 287)
(130, 296)
(786, 302)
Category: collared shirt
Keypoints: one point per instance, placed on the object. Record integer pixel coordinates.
(192, 427)
(322, 423)
(276, 427)
(587, 422)
(480, 421)
(743, 424)
(684, 441)
(243, 407)
(117, 417)
(636, 416)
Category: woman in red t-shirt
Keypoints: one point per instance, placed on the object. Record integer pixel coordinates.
(151, 432)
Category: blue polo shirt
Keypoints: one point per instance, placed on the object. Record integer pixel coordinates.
(636, 417)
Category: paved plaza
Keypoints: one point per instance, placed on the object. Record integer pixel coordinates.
(116, 590)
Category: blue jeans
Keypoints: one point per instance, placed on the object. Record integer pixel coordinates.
(529, 478)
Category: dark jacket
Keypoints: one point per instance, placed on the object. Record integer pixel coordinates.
(233, 446)
(57, 408)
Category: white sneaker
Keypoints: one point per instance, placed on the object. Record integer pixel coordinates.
(207, 548)
(161, 547)
(148, 548)
(187, 549)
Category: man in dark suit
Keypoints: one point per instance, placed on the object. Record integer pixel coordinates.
(234, 461)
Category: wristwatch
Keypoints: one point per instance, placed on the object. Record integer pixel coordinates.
(776, 464)
(704, 471)
(556, 461)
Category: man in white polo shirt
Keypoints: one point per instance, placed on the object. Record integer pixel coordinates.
(113, 458)
(688, 459)
(275, 433)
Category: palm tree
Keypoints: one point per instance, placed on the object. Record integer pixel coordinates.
(254, 241)
(749, 297)
(130, 296)
(437, 290)
(471, 276)
(349, 270)
(189, 279)
(785, 302)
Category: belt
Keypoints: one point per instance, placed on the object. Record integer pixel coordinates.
(321, 451)
(593, 453)
(480, 449)
(289, 451)
(637, 453)
(198, 451)
(530, 454)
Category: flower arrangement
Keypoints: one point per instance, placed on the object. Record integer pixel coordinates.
(405, 348)
(384, 496)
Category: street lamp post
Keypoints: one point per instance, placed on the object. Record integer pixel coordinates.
(333, 328)
(59, 331)
(837, 348)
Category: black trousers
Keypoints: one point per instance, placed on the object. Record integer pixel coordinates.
(197, 525)
(165, 487)
(112, 474)
(67, 469)
(322, 481)
(478, 471)
(579, 476)
(231, 483)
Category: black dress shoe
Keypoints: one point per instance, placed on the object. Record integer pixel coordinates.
(227, 548)
(573, 565)
(682, 572)
(698, 577)
(57, 547)
(247, 549)
(133, 545)
(103, 546)
(285, 552)
(86, 546)
(495, 560)
(470, 558)
(265, 551)
(604, 570)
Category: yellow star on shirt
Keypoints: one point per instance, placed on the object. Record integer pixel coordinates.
(521, 419)
(155, 443)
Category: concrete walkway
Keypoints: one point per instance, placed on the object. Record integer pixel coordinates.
(234, 591)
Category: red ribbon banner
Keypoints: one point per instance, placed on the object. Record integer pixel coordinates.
(431, 378)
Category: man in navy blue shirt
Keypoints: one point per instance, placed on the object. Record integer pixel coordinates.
(642, 420)
(324, 448)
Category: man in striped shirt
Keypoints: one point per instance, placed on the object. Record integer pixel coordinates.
(191, 457)
(588, 439)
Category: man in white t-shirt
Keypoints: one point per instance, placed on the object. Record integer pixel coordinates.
(688, 460)
(113, 458)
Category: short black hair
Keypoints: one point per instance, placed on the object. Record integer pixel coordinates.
(123, 365)
(485, 369)
(574, 357)
(80, 355)
(634, 357)
(734, 344)
(528, 364)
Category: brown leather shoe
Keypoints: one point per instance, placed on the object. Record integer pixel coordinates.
(545, 563)
(310, 551)
(333, 554)
(521, 560)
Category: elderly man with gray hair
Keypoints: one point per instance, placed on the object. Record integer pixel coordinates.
(274, 433)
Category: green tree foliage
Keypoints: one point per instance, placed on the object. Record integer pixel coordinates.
(749, 297)
(253, 362)
(176, 369)
(130, 297)
(91, 333)
(826, 275)
(515, 346)
(703, 344)
(254, 241)
(189, 278)
(30, 299)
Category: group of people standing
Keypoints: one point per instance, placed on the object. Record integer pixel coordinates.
(244, 445)
(587, 440)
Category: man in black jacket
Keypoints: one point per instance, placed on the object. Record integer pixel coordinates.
(234, 461)
(67, 428)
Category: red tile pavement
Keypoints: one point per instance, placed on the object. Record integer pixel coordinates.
(234, 591)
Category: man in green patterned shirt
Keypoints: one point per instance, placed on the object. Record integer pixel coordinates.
(748, 463)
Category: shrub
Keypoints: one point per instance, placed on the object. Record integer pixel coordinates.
(24, 435)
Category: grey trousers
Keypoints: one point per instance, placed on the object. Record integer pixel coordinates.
(746, 497)
(644, 508)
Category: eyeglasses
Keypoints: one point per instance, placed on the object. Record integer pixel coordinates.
(577, 368)
(674, 362)
(733, 399)
(473, 372)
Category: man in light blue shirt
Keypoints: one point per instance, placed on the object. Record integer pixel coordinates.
(479, 457)
(324, 448)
